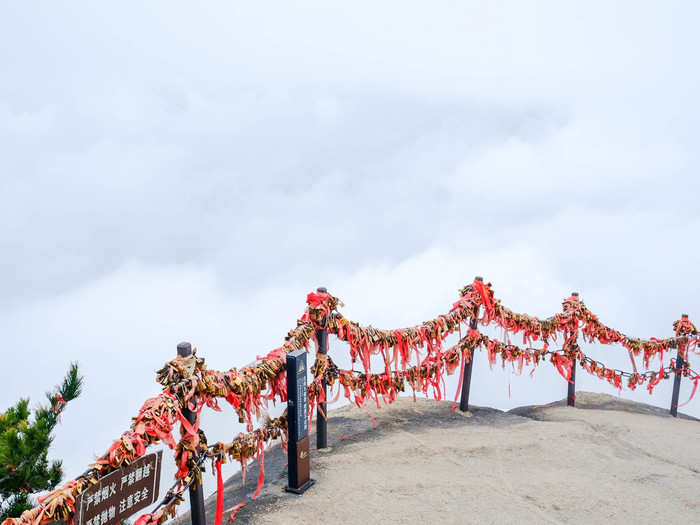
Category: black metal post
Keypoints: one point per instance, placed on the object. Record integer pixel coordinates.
(196, 490)
(571, 394)
(467, 377)
(677, 381)
(321, 410)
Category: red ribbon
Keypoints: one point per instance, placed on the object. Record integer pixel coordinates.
(564, 366)
(219, 495)
(234, 511)
(261, 475)
(316, 298)
(692, 394)
(480, 287)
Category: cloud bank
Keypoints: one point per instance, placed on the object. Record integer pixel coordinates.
(171, 173)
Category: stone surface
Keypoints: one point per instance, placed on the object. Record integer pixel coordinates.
(606, 461)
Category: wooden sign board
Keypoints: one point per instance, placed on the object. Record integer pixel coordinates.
(122, 493)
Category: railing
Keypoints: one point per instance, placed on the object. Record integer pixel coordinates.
(188, 386)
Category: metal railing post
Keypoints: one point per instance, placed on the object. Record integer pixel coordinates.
(321, 409)
(467, 377)
(571, 393)
(677, 379)
(196, 490)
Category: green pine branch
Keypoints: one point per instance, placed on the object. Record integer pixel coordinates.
(72, 384)
(25, 443)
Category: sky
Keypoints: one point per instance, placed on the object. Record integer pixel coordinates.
(175, 172)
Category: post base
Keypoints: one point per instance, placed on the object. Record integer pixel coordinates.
(301, 489)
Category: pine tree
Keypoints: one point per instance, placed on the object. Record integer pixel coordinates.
(24, 446)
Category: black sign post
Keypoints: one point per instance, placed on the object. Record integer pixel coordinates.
(298, 460)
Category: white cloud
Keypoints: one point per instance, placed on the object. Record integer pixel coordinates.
(174, 173)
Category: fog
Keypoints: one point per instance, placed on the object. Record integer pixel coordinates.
(173, 172)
